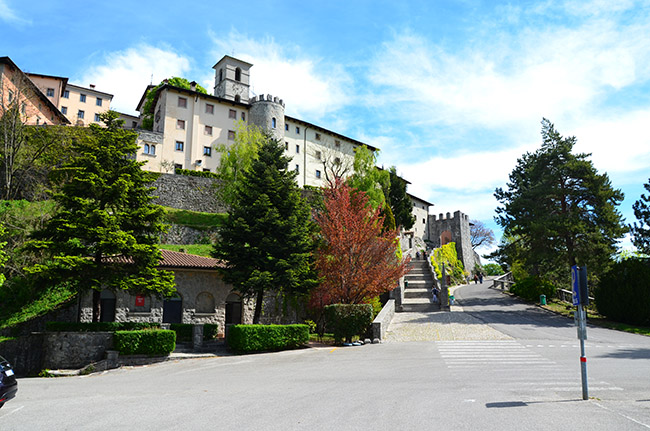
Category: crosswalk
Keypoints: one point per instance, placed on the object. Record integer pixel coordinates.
(512, 364)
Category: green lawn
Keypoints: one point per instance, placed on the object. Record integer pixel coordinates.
(197, 249)
(47, 300)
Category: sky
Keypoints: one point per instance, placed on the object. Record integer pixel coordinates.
(452, 92)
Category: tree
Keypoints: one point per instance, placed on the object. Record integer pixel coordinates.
(357, 260)
(480, 235)
(368, 178)
(267, 240)
(237, 158)
(641, 232)
(147, 109)
(334, 166)
(558, 210)
(105, 232)
(399, 201)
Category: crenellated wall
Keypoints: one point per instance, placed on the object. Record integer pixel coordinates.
(458, 226)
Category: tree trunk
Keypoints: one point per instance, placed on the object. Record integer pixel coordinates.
(258, 307)
(96, 305)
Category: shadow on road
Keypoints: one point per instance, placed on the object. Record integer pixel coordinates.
(641, 353)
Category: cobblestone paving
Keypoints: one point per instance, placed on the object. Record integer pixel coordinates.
(439, 326)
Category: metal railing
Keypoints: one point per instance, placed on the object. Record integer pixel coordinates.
(503, 282)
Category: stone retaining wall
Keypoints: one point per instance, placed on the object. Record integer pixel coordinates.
(74, 349)
(188, 193)
(383, 319)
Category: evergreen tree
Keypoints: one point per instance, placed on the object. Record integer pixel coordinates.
(268, 237)
(105, 232)
(559, 209)
(641, 232)
(399, 201)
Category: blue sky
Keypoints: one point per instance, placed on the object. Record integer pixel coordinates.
(452, 92)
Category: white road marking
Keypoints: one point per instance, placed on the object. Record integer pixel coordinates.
(621, 414)
(12, 412)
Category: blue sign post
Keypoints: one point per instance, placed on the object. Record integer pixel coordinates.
(580, 298)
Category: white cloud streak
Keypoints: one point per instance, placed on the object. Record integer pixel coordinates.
(126, 74)
(7, 14)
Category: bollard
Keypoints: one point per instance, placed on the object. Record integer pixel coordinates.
(542, 299)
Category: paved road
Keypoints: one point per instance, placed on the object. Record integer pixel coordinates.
(527, 379)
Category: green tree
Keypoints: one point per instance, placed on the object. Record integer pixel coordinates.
(368, 178)
(641, 232)
(237, 158)
(560, 210)
(399, 201)
(147, 111)
(105, 232)
(268, 238)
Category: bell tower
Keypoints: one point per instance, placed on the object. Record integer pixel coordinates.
(232, 79)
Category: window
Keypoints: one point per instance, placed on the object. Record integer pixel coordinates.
(64, 110)
(232, 114)
(82, 98)
(297, 168)
(220, 75)
(297, 149)
(231, 135)
(23, 109)
(66, 94)
(337, 161)
(317, 155)
(273, 123)
(182, 102)
(238, 98)
(208, 130)
(134, 124)
(146, 148)
(337, 144)
(178, 166)
(317, 173)
(423, 221)
(286, 127)
(11, 96)
(318, 136)
(50, 92)
(243, 116)
(97, 117)
(152, 149)
(207, 151)
(297, 130)
(180, 124)
(179, 146)
(80, 114)
(238, 74)
(209, 108)
(286, 145)
(99, 101)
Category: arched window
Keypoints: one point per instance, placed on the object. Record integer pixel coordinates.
(146, 148)
(238, 74)
(152, 149)
(237, 98)
(205, 303)
(220, 75)
(273, 123)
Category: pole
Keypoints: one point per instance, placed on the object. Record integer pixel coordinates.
(583, 359)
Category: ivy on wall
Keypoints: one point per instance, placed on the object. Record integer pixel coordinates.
(453, 266)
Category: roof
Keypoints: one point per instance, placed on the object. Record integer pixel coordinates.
(322, 129)
(35, 89)
(420, 199)
(232, 58)
(61, 78)
(176, 259)
(89, 89)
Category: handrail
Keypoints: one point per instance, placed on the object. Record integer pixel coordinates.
(503, 282)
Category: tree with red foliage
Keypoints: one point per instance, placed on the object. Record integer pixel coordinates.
(357, 261)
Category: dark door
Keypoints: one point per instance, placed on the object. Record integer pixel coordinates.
(233, 309)
(173, 310)
(107, 306)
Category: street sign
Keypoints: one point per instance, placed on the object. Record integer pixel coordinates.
(579, 285)
(575, 284)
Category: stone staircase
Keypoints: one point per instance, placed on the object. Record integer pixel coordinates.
(418, 294)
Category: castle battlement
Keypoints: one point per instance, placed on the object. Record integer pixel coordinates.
(457, 215)
(267, 98)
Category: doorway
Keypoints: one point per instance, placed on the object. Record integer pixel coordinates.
(173, 310)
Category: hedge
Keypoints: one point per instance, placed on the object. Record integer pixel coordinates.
(98, 326)
(532, 287)
(624, 292)
(347, 320)
(152, 342)
(260, 338)
(191, 173)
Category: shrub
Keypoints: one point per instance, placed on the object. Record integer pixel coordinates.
(147, 342)
(493, 269)
(454, 267)
(183, 331)
(260, 338)
(532, 287)
(98, 326)
(624, 292)
(190, 173)
(347, 320)
(210, 331)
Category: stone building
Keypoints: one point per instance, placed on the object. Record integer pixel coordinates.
(446, 228)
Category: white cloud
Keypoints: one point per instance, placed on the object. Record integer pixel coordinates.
(7, 14)
(126, 74)
(310, 87)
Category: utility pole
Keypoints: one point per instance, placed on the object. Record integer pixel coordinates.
(581, 298)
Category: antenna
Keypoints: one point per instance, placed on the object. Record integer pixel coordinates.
(151, 81)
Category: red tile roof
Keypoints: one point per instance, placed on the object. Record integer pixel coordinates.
(175, 259)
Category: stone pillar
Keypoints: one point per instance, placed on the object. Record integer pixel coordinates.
(197, 336)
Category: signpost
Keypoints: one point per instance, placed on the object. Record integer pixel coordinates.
(581, 298)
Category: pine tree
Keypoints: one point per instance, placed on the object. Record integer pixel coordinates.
(641, 232)
(268, 237)
(561, 211)
(105, 232)
(399, 201)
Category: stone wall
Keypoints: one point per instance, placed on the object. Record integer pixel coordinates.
(188, 193)
(70, 350)
(458, 226)
(25, 354)
(178, 234)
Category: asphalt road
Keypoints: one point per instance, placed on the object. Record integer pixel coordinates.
(530, 381)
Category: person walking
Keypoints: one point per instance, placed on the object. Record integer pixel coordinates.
(480, 277)
(475, 279)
